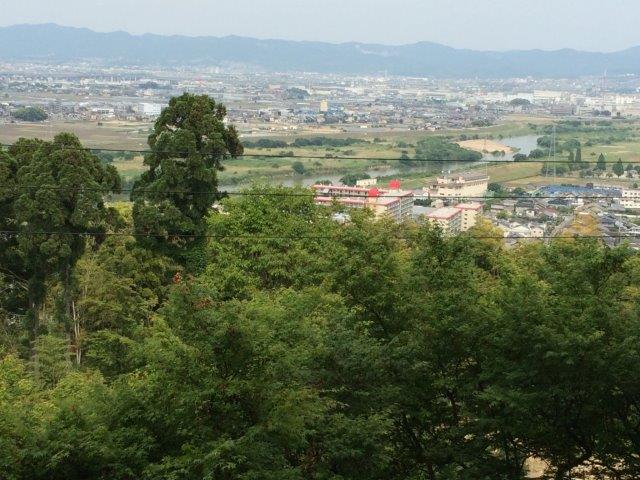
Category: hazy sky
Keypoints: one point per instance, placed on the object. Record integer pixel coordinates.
(599, 25)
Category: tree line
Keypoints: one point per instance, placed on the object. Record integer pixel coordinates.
(303, 142)
(262, 339)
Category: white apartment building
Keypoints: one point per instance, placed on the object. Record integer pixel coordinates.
(367, 182)
(630, 199)
(150, 109)
(547, 96)
(471, 213)
(393, 202)
(462, 185)
(449, 219)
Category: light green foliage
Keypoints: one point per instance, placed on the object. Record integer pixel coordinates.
(237, 261)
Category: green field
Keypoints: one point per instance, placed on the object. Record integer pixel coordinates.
(621, 140)
(124, 135)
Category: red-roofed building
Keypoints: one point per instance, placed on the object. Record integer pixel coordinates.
(394, 202)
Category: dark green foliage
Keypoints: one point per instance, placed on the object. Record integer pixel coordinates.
(188, 144)
(30, 114)
(545, 142)
(265, 143)
(552, 169)
(438, 151)
(298, 168)
(537, 153)
(52, 193)
(303, 142)
(572, 144)
(353, 178)
(296, 94)
(326, 142)
(618, 168)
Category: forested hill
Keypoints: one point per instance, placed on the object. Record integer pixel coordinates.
(57, 44)
(159, 339)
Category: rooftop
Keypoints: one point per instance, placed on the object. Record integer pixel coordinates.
(466, 176)
(469, 206)
(444, 213)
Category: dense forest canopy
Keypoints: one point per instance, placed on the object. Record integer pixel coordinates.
(271, 342)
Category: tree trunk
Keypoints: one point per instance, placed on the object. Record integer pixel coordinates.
(77, 331)
(35, 310)
(66, 286)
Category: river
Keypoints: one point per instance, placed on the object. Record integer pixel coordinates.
(524, 144)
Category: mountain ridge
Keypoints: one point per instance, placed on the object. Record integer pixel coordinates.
(55, 43)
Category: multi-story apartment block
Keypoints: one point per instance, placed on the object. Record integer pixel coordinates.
(461, 185)
(393, 202)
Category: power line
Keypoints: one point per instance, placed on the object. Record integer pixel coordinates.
(13, 233)
(224, 193)
(230, 157)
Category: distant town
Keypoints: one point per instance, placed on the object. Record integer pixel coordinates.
(384, 116)
(262, 104)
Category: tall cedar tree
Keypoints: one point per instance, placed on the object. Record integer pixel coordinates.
(173, 198)
(52, 193)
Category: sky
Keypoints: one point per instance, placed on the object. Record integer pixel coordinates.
(595, 25)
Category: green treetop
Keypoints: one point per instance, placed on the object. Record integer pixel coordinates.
(52, 194)
(188, 144)
(618, 168)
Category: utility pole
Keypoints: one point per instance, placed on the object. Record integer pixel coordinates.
(553, 143)
(552, 151)
(603, 91)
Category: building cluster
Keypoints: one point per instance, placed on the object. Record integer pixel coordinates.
(262, 103)
(549, 211)
(458, 201)
(398, 204)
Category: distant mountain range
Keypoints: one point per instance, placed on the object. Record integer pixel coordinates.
(54, 43)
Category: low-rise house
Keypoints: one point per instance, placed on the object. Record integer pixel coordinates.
(551, 213)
